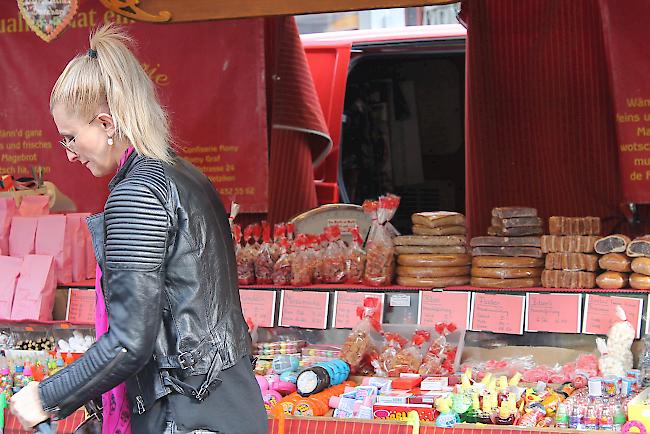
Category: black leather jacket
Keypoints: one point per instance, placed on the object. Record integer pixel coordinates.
(170, 283)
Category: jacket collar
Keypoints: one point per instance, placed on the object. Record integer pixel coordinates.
(124, 170)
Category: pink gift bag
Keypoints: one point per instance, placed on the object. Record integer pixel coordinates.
(76, 234)
(50, 240)
(7, 212)
(34, 206)
(35, 290)
(9, 272)
(22, 236)
(91, 261)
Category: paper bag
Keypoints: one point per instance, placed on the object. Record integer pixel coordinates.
(50, 240)
(91, 261)
(9, 272)
(35, 290)
(22, 236)
(34, 206)
(7, 212)
(76, 234)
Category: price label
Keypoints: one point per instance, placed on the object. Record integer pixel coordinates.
(306, 309)
(555, 313)
(498, 313)
(600, 313)
(345, 307)
(444, 306)
(258, 306)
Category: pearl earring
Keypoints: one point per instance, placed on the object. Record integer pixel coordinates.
(110, 141)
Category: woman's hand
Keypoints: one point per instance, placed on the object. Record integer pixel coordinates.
(26, 406)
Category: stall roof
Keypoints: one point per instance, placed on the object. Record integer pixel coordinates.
(382, 35)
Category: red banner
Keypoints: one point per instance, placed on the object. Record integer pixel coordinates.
(210, 77)
(626, 35)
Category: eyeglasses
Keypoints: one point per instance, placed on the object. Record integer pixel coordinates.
(66, 143)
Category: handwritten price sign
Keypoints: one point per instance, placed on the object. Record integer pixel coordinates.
(600, 313)
(444, 306)
(258, 306)
(307, 309)
(81, 306)
(498, 313)
(556, 313)
(345, 308)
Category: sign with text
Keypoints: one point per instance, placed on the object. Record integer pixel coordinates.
(307, 309)
(345, 308)
(630, 89)
(258, 306)
(556, 313)
(600, 313)
(498, 313)
(444, 306)
(214, 92)
(81, 306)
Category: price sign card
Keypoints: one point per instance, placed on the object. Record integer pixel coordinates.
(600, 313)
(498, 313)
(307, 309)
(258, 306)
(555, 313)
(345, 308)
(444, 306)
(81, 306)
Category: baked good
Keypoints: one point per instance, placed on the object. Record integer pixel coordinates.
(641, 265)
(434, 260)
(516, 222)
(506, 262)
(639, 247)
(505, 273)
(520, 231)
(531, 252)
(612, 280)
(639, 281)
(441, 230)
(568, 279)
(438, 218)
(434, 282)
(403, 270)
(574, 225)
(485, 282)
(506, 242)
(615, 262)
(568, 244)
(616, 243)
(571, 261)
(506, 212)
(433, 250)
(421, 240)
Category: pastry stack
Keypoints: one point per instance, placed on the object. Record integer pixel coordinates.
(615, 262)
(639, 249)
(435, 256)
(570, 259)
(511, 257)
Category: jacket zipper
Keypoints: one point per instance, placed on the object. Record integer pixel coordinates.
(138, 399)
(97, 377)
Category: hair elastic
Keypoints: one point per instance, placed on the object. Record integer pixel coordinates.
(92, 53)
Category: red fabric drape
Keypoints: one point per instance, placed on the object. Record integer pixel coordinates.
(540, 128)
(299, 133)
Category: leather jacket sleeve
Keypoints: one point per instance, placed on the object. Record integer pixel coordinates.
(136, 227)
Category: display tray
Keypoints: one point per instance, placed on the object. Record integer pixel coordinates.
(335, 287)
(31, 322)
(551, 290)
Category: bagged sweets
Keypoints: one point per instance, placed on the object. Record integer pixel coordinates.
(409, 359)
(359, 350)
(356, 260)
(439, 358)
(279, 233)
(394, 342)
(245, 263)
(380, 253)
(301, 264)
(333, 259)
(263, 261)
(616, 353)
(282, 274)
(315, 258)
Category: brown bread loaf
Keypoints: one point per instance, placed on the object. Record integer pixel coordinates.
(520, 231)
(574, 225)
(432, 250)
(639, 281)
(506, 273)
(615, 262)
(506, 262)
(435, 282)
(428, 272)
(639, 247)
(612, 280)
(516, 222)
(641, 265)
(420, 240)
(568, 279)
(531, 252)
(484, 282)
(507, 212)
(568, 244)
(438, 218)
(616, 243)
(442, 230)
(506, 242)
(571, 261)
(434, 260)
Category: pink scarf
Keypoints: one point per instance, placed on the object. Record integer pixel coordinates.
(117, 409)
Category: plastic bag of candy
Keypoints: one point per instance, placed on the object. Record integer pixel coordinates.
(360, 348)
(263, 261)
(356, 258)
(380, 252)
(333, 257)
(245, 262)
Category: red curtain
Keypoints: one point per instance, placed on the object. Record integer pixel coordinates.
(540, 128)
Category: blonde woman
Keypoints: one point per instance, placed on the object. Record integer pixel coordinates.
(174, 330)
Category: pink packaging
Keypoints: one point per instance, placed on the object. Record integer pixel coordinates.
(34, 206)
(7, 212)
(51, 240)
(9, 272)
(91, 262)
(22, 236)
(35, 290)
(76, 235)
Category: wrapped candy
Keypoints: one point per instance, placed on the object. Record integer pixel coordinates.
(234, 210)
(380, 253)
(245, 263)
(263, 261)
(282, 274)
(314, 254)
(439, 358)
(279, 233)
(616, 354)
(301, 263)
(333, 257)
(356, 260)
(409, 359)
(394, 342)
(359, 350)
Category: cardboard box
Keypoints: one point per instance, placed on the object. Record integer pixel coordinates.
(60, 304)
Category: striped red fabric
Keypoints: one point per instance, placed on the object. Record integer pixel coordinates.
(65, 426)
(540, 128)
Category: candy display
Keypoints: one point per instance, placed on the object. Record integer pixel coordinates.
(616, 355)
(380, 259)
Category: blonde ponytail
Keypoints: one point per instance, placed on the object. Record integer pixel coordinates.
(110, 74)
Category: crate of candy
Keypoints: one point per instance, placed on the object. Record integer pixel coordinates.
(280, 347)
(312, 354)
